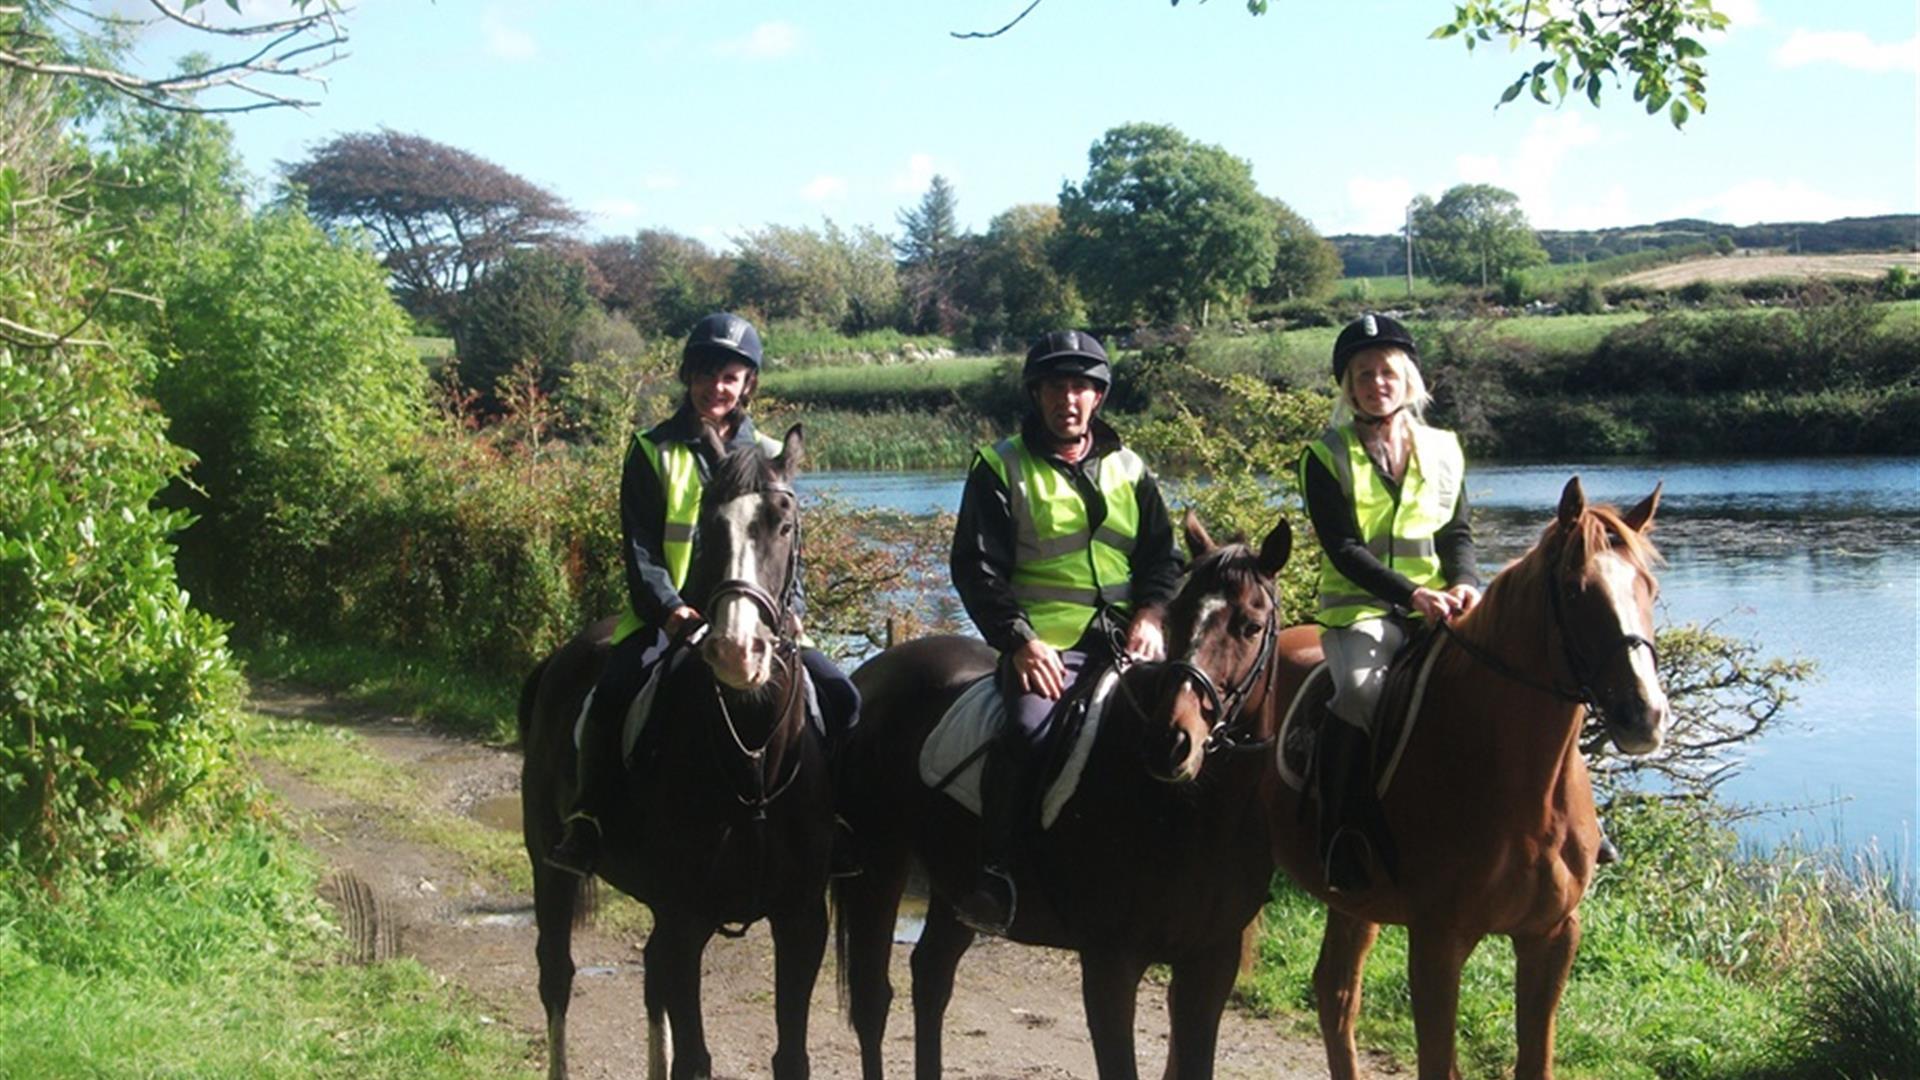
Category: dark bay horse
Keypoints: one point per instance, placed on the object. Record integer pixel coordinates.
(1161, 856)
(732, 820)
(1489, 804)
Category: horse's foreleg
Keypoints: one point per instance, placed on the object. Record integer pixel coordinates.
(673, 990)
(554, 895)
(1337, 988)
(1196, 996)
(1434, 959)
(1109, 981)
(867, 908)
(799, 943)
(1541, 964)
(943, 941)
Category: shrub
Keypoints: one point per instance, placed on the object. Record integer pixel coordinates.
(292, 408)
(531, 306)
(118, 693)
(1302, 312)
(1584, 298)
(1860, 1016)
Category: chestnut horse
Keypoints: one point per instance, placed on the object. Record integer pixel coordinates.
(1489, 803)
(1160, 856)
(732, 821)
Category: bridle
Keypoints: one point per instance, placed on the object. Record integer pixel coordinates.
(1582, 692)
(786, 653)
(1226, 731)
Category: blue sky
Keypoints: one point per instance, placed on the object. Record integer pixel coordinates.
(711, 118)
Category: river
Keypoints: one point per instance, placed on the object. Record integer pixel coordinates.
(1813, 558)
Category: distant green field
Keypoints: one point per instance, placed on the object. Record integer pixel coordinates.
(827, 380)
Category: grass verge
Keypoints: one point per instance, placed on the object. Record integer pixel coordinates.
(216, 959)
(479, 703)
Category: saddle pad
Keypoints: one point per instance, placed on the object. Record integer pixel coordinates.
(1300, 728)
(642, 707)
(973, 721)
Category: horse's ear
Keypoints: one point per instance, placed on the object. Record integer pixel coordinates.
(1198, 542)
(793, 451)
(711, 440)
(1276, 549)
(1573, 502)
(1640, 518)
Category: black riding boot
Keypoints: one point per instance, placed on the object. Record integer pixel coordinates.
(1004, 803)
(599, 777)
(1348, 807)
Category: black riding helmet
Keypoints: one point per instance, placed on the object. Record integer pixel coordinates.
(1369, 331)
(1067, 352)
(722, 336)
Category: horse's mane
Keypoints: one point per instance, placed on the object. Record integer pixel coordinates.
(1598, 528)
(746, 470)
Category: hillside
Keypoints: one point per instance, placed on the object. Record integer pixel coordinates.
(1752, 266)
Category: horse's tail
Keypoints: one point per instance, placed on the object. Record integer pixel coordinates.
(836, 892)
(529, 692)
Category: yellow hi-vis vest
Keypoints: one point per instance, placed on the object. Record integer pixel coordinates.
(1061, 570)
(679, 472)
(1399, 532)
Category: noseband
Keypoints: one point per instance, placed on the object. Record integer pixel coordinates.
(773, 610)
(1225, 732)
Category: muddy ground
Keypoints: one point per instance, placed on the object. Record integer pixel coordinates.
(1016, 1011)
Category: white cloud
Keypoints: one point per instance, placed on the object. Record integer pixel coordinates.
(1374, 206)
(616, 211)
(1849, 49)
(1529, 172)
(824, 187)
(504, 40)
(917, 176)
(763, 42)
(1754, 201)
(660, 181)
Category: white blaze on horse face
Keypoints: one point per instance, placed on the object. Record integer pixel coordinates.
(1211, 607)
(739, 646)
(1619, 581)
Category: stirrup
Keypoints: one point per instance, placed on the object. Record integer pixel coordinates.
(1345, 864)
(576, 853)
(990, 907)
(843, 860)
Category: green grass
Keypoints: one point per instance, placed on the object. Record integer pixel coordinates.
(433, 350)
(827, 381)
(793, 345)
(479, 703)
(893, 440)
(217, 960)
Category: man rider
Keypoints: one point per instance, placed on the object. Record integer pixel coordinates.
(1063, 554)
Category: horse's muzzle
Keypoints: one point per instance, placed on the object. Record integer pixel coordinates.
(1638, 724)
(741, 661)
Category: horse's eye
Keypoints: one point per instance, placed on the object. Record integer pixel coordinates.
(1249, 629)
(786, 528)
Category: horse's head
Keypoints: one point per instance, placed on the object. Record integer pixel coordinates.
(1602, 591)
(746, 557)
(1222, 628)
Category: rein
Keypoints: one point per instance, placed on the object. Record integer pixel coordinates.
(1583, 693)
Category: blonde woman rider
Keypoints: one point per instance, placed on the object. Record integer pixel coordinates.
(1388, 499)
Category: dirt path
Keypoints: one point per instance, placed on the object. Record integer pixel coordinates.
(1015, 1013)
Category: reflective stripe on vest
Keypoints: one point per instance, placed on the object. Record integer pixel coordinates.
(1061, 573)
(678, 470)
(1400, 533)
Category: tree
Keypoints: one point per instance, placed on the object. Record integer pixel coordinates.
(1650, 38)
(527, 310)
(1304, 262)
(1012, 285)
(439, 215)
(827, 278)
(661, 280)
(931, 250)
(1164, 227)
(88, 43)
(1475, 233)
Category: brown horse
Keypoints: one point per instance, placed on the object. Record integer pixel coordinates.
(1160, 856)
(1489, 805)
(732, 821)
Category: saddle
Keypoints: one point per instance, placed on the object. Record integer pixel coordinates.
(1393, 720)
(635, 722)
(952, 757)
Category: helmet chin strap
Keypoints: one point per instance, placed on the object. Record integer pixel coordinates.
(1375, 421)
